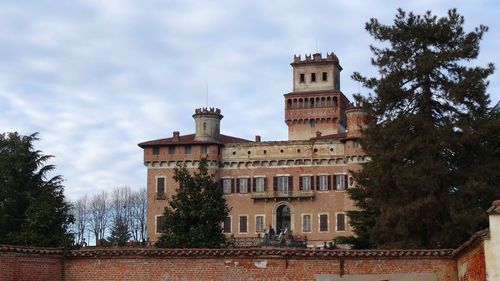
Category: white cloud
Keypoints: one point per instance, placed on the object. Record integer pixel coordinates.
(97, 77)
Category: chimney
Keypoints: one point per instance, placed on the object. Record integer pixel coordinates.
(176, 136)
(257, 138)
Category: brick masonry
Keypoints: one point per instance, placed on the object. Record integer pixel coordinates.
(19, 263)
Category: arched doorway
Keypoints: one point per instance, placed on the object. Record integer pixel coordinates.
(283, 218)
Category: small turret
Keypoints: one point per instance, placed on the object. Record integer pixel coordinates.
(356, 121)
(207, 122)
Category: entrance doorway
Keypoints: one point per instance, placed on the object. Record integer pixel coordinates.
(282, 218)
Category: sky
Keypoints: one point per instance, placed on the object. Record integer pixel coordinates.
(96, 77)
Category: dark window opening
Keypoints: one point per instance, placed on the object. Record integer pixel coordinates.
(340, 222)
(227, 225)
(313, 77)
(171, 150)
(156, 150)
(187, 149)
(323, 222)
(302, 78)
(243, 224)
(204, 149)
(325, 76)
(159, 224)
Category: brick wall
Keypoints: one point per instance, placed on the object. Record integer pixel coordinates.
(30, 264)
(470, 259)
(226, 264)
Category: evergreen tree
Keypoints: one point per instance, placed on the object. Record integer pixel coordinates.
(120, 233)
(33, 210)
(433, 137)
(195, 215)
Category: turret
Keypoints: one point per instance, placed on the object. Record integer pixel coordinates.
(207, 122)
(356, 121)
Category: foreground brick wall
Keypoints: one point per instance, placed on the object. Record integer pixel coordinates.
(470, 258)
(225, 264)
(30, 264)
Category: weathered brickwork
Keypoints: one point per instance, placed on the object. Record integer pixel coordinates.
(225, 264)
(471, 263)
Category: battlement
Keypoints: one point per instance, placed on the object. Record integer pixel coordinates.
(206, 110)
(317, 57)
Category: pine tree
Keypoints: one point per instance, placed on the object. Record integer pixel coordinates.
(120, 233)
(433, 137)
(195, 215)
(33, 210)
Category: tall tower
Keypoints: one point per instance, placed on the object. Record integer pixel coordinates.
(207, 122)
(316, 105)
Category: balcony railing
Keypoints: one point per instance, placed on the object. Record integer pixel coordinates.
(280, 194)
(161, 196)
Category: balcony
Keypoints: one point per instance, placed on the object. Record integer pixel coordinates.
(161, 196)
(292, 194)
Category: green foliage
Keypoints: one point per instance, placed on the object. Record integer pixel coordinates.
(433, 138)
(33, 210)
(195, 215)
(120, 233)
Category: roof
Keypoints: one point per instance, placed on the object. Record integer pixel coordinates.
(189, 139)
(338, 136)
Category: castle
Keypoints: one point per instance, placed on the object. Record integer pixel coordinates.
(298, 185)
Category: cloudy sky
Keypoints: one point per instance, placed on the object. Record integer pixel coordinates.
(95, 78)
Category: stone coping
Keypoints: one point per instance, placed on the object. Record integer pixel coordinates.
(236, 252)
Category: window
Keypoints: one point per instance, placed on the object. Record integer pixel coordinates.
(171, 149)
(159, 224)
(313, 77)
(356, 144)
(187, 149)
(323, 183)
(306, 223)
(302, 78)
(340, 182)
(259, 223)
(325, 76)
(259, 184)
(156, 150)
(323, 223)
(227, 185)
(243, 224)
(341, 222)
(160, 188)
(227, 225)
(243, 185)
(305, 183)
(204, 149)
(282, 185)
(204, 126)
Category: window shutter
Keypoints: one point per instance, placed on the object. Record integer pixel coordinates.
(329, 186)
(337, 181)
(290, 183)
(346, 182)
(300, 183)
(254, 184)
(312, 182)
(323, 223)
(275, 184)
(249, 184)
(238, 185)
(221, 184)
(340, 222)
(265, 184)
(317, 182)
(233, 187)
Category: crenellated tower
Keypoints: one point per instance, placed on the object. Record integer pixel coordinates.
(316, 106)
(207, 122)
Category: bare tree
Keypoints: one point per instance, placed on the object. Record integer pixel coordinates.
(139, 207)
(99, 215)
(80, 213)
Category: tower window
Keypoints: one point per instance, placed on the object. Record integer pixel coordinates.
(204, 126)
(187, 149)
(156, 150)
(302, 78)
(313, 77)
(325, 76)
(171, 149)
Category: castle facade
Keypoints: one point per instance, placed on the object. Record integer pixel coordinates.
(297, 185)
